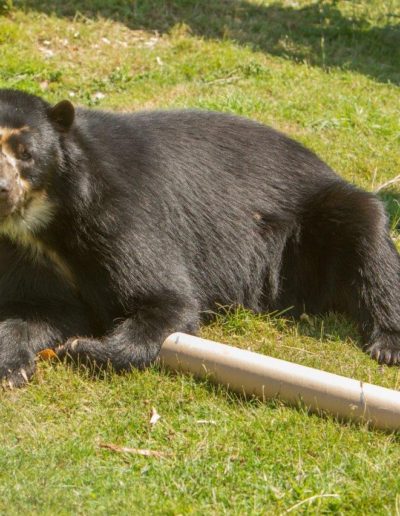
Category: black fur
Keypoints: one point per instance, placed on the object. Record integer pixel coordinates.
(158, 216)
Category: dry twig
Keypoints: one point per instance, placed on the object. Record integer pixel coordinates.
(388, 183)
(134, 451)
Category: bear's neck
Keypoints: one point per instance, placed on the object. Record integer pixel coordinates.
(24, 227)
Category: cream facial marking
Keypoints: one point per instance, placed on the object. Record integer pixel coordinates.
(7, 132)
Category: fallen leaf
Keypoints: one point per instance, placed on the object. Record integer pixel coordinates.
(155, 416)
(47, 354)
(98, 95)
(47, 52)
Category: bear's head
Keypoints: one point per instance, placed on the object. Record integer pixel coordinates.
(31, 133)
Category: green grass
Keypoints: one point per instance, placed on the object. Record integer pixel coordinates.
(328, 74)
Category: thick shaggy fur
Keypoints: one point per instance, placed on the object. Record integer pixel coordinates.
(131, 226)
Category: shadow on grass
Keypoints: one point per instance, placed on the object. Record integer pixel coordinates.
(318, 33)
(330, 326)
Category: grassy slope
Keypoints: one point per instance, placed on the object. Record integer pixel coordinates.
(328, 74)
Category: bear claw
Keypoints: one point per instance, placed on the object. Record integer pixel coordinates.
(17, 378)
(384, 351)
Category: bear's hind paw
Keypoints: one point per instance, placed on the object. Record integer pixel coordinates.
(385, 349)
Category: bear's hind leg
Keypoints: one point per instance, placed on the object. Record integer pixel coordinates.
(347, 229)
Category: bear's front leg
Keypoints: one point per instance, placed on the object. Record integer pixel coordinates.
(17, 355)
(20, 340)
(136, 341)
(26, 329)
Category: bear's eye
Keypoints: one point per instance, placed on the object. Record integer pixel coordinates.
(25, 155)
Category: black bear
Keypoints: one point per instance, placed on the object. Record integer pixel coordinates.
(118, 229)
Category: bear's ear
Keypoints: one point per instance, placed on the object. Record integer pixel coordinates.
(62, 115)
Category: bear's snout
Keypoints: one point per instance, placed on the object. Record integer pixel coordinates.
(5, 187)
(11, 191)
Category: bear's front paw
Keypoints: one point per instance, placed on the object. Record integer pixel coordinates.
(385, 349)
(17, 369)
(81, 351)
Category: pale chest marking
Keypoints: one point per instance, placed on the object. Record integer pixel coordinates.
(22, 227)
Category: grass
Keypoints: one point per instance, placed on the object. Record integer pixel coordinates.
(327, 73)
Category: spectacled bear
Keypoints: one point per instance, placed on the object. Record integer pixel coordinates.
(119, 229)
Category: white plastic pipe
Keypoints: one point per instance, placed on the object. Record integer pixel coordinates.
(250, 373)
